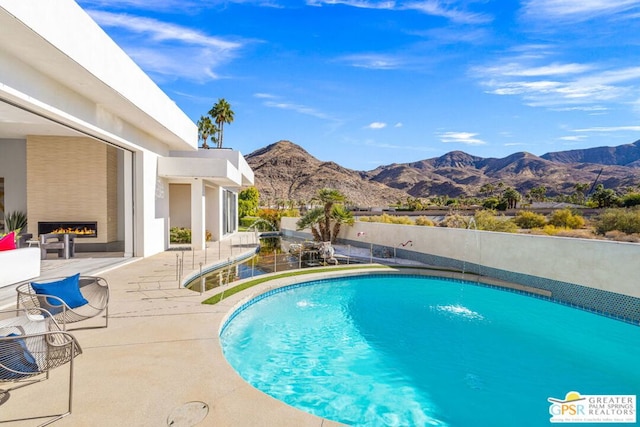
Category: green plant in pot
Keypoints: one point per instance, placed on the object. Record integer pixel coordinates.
(15, 221)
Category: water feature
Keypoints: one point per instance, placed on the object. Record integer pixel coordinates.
(423, 354)
(472, 228)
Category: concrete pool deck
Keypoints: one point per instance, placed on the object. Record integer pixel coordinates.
(160, 352)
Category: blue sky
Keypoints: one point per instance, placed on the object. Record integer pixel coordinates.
(366, 83)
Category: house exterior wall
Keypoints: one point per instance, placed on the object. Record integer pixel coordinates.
(87, 87)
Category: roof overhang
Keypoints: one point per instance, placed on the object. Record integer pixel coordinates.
(218, 171)
(225, 167)
(62, 74)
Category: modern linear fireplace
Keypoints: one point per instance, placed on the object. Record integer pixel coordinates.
(79, 228)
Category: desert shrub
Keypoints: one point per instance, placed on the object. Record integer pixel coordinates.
(625, 220)
(551, 230)
(455, 221)
(491, 203)
(528, 220)
(404, 220)
(564, 218)
(387, 219)
(488, 220)
(179, 235)
(631, 199)
(423, 220)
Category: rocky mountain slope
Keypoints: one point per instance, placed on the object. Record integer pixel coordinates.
(284, 171)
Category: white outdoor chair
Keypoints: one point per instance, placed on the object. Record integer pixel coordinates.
(93, 290)
(31, 345)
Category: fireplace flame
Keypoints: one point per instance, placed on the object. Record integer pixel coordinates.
(79, 231)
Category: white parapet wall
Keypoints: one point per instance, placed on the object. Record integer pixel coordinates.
(598, 264)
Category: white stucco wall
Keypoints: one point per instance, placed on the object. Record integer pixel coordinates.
(180, 213)
(599, 264)
(152, 213)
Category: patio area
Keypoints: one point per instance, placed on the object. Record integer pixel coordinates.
(159, 353)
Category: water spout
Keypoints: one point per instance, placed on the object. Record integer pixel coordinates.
(473, 227)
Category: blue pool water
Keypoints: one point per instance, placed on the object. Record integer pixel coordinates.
(415, 351)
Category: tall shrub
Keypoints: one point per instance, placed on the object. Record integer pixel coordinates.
(625, 220)
(567, 219)
(529, 220)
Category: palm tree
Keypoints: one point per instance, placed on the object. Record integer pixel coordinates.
(221, 113)
(319, 219)
(206, 129)
(512, 197)
(339, 216)
(328, 197)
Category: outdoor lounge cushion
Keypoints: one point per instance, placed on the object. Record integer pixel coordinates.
(68, 290)
(16, 357)
(8, 242)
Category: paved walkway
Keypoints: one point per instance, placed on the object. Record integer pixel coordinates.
(160, 352)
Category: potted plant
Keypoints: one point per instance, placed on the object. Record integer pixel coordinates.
(17, 221)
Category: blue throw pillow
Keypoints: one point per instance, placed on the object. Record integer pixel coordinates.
(16, 357)
(68, 290)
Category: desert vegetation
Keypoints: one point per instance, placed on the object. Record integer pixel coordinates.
(622, 224)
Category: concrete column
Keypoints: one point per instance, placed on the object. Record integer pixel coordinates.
(198, 211)
(127, 201)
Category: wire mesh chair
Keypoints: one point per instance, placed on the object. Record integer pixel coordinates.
(94, 289)
(31, 345)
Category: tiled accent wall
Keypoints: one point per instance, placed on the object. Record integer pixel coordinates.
(72, 179)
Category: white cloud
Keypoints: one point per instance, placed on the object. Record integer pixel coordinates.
(184, 6)
(373, 61)
(514, 69)
(610, 129)
(467, 138)
(161, 31)
(573, 138)
(264, 96)
(364, 4)
(560, 85)
(587, 108)
(398, 125)
(576, 9)
(429, 7)
(438, 8)
(376, 125)
(168, 49)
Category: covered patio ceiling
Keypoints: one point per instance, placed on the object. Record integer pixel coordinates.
(17, 123)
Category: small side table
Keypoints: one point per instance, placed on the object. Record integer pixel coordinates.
(33, 242)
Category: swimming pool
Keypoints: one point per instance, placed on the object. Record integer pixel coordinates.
(411, 350)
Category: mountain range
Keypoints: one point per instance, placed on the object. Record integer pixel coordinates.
(284, 171)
